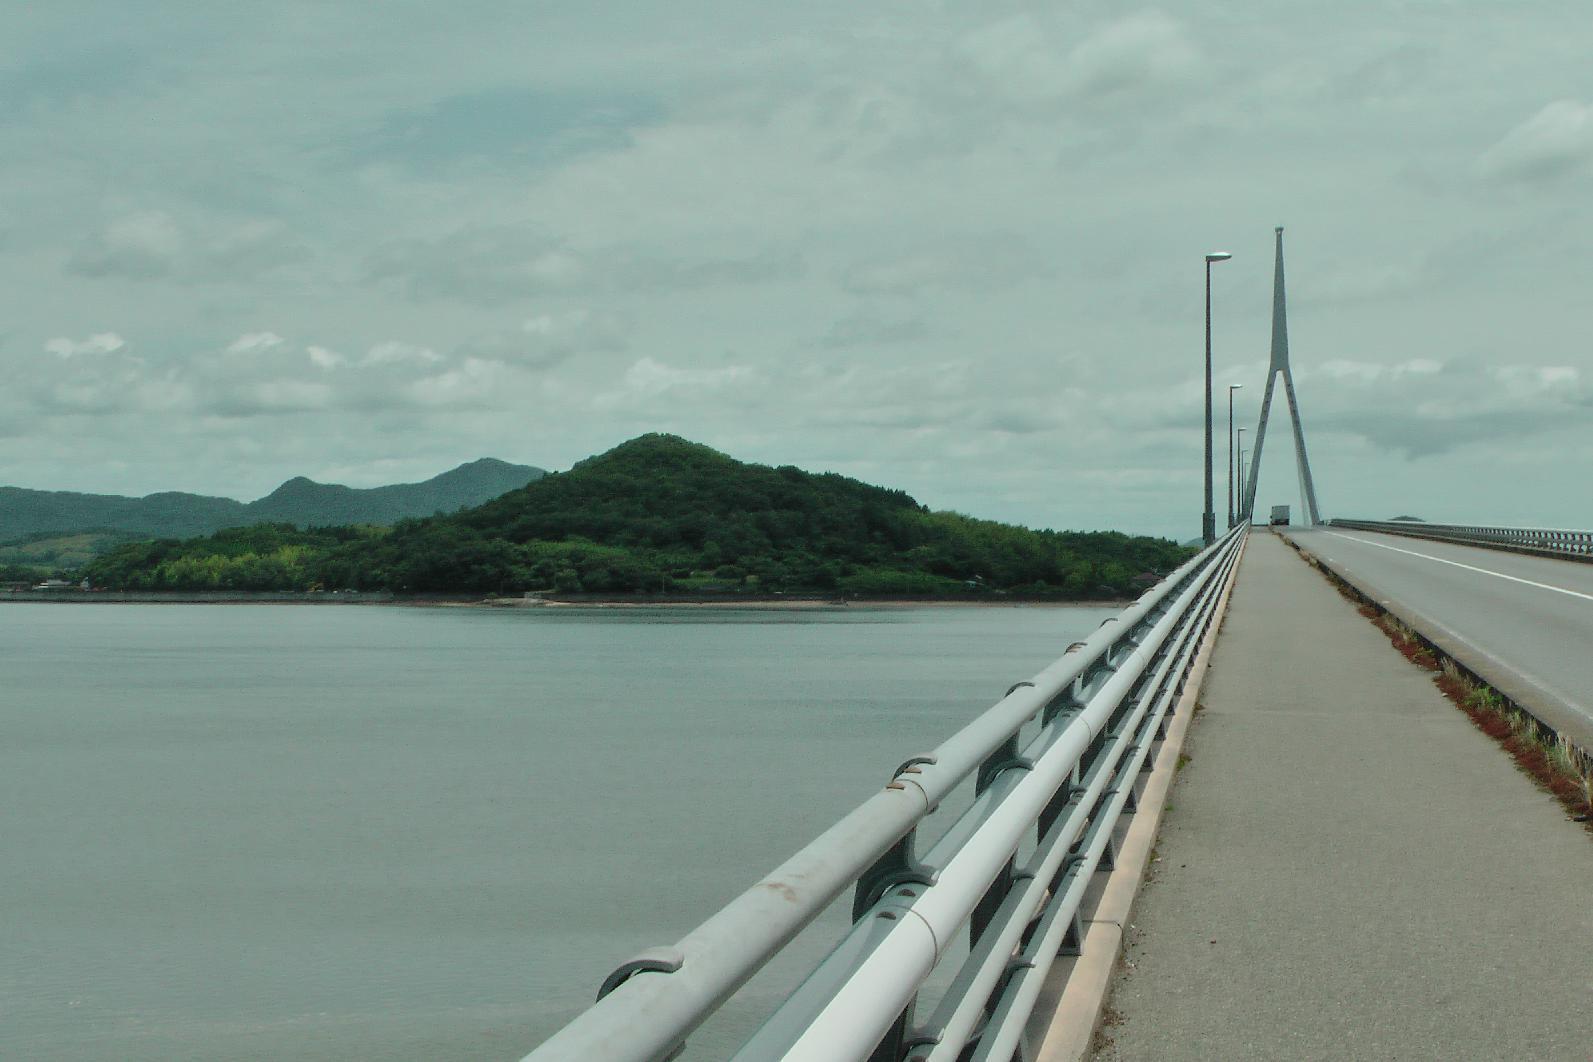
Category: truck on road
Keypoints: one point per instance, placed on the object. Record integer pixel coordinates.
(1280, 516)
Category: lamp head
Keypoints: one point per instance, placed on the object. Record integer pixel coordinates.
(1218, 256)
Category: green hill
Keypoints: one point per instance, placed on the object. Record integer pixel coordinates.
(659, 513)
(299, 501)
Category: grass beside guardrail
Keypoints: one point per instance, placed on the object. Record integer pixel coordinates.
(1556, 764)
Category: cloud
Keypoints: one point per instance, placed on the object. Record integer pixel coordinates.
(648, 380)
(323, 358)
(869, 330)
(1555, 142)
(1423, 407)
(1139, 52)
(1533, 380)
(248, 249)
(60, 78)
(1347, 370)
(283, 395)
(1413, 408)
(98, 343)
(633, 272)
(155, 245)
(652, 377)
(512, 125)
(478, 264)
(955, 395)
(1038, 59)
(549, 338)
(497, 265)
(262, 374)
(1363, 281)
(472, 383)
(252, 342)
(142, 246)
(970, 263)
(393, 352)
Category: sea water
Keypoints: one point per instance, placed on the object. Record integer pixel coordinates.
(346, 832)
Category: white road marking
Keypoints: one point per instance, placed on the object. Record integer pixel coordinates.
(1468, 567)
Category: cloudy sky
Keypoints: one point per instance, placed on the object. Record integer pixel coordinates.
(952, 248)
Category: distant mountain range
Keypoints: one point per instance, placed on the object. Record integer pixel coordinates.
(300, 501)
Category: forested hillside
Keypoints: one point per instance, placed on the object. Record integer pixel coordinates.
(661, 514)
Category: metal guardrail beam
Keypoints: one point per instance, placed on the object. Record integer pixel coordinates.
(1100, 707)
(1548, 541)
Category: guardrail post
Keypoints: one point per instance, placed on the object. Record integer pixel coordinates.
(894, 1045)
(1005, 758)
(990, 903)
(898, 866)
(1066, 703)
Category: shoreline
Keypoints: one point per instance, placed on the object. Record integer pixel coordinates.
(777, 604)
(385, 600)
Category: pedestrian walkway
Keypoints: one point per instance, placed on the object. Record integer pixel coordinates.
(1349, 869)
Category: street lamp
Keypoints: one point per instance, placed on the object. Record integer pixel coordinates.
(1208, 519)
(1241, 514)
(1231, 389)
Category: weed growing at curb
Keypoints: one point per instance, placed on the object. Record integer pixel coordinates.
(1410, 644)
(1550, 759)
(1555, 763)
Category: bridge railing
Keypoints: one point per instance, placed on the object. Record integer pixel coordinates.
(1549, 541)
(1011, 871)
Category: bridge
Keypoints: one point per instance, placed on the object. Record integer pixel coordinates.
(1322, 792)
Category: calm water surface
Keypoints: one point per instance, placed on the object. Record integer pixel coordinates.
(263, 832)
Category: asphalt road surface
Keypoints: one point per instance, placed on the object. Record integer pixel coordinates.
(1524, 623)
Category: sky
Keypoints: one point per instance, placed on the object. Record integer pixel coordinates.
(956, 249)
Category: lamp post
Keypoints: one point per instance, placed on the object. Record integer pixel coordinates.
(1208, 519)
(1241, 514)
(1231, 389)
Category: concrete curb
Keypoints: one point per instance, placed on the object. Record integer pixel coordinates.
(1072, 1026)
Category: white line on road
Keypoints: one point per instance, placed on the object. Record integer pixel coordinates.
(1468, 567)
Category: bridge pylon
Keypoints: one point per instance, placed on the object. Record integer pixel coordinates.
(1280, 366)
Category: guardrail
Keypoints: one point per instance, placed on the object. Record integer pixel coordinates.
(1054, 764)
(1545, 540)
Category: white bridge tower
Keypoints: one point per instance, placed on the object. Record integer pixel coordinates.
(1280, 365)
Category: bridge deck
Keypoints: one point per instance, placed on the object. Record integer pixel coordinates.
(1349, 869)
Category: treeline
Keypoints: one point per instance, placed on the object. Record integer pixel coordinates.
(660, 514)
(257, 557)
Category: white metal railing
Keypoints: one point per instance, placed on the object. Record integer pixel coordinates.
(1100, 708)
(1552, 541)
